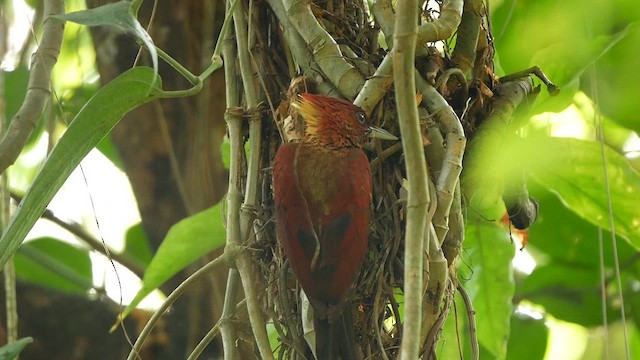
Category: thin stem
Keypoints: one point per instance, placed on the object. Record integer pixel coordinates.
(204, 271)
(603, 293)
(95, 244)
(535, 70)
(11, 300)
(9, 273)
(417, 175)
(234, 195)
(193, 79)
(197, 351)
(244, 261)
(224, 31)
(447, 181)
(471, 316)
(607, 188)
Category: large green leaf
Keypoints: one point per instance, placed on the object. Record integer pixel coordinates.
(617, 95)
(12, 350)
(575, 171)
(491, 283)
(185, 242)
(52, 263)
(455, 331)
(522, 28)
(565, 70)
(119, 14)
(567, 292)
(527, 29)
(96, 119)
(528, 338)
(559, 235)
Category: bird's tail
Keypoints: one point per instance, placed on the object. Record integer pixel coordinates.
(335, 340)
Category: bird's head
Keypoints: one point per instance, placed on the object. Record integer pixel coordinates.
(335, 122)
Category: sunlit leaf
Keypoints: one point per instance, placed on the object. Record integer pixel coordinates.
(186, 241)
(119, 14)
(52, 263)
(564, 63)
(567, 292)
(561, 235)
(12, 350)
(617, 94)
(574, 169)
(96, 119)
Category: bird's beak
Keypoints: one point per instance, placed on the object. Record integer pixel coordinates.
(378, 133)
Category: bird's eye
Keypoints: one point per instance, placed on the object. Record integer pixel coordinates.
(362, 118)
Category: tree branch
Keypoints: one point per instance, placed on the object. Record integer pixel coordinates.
(417, 175)
(38, 89)
(299, 49)
(95, 244)
(325, 50)
(243, 261)
(464, 54)
(233, 117)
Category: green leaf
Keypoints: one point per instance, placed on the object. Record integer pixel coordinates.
(107, 149)
(565, 71)
(616, 94)
(94, 121)
(455, 331)
(137, 245)
(574, 170)
(186, 241)
(567, 292)
(12, 350)
(15, 88)
(491, 283)
(488, 165)
(55, 264)
(528, 338)
(119, 14)
(559, 235)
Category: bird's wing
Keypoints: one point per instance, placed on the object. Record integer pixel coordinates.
(344, 231)
(322, 210)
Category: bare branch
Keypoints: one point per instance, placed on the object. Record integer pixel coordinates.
(38, 89)
(417, 175)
